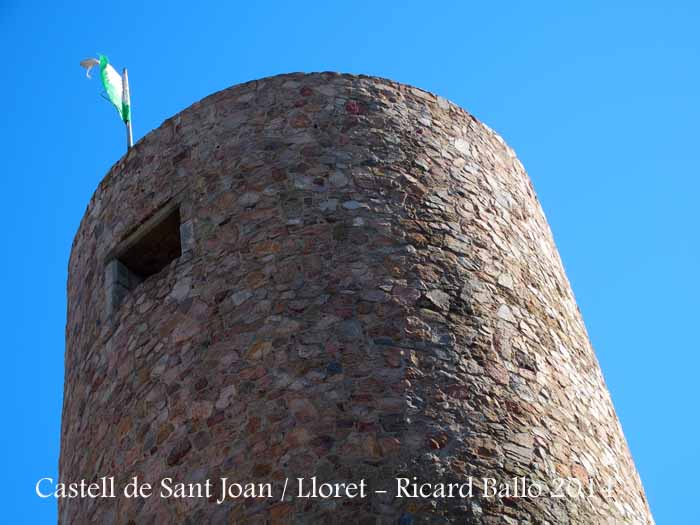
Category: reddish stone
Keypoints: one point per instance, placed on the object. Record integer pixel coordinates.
(300, 120)
(178, 452)
(353, 107)
(580, 473)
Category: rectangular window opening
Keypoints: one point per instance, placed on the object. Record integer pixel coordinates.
(155, 249)
(150, 249)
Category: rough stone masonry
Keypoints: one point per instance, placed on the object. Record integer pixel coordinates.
(364, 287)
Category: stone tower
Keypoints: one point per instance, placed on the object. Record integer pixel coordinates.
(335, 276)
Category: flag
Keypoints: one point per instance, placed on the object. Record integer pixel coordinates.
(113, 85)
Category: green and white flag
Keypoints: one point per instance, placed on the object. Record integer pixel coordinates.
(113, 85)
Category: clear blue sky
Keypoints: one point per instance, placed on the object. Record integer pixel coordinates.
(600, 101)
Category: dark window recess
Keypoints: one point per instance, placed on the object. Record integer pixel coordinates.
(148, 251)
(155, 249)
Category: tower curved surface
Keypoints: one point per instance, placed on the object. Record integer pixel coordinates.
(364, 287)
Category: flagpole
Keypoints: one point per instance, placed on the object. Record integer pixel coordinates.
(126, 102)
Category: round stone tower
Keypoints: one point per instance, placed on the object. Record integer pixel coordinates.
(334, 276)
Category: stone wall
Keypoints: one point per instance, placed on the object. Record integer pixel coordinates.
(368, 288)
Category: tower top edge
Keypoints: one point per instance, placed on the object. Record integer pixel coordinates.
(286, 80)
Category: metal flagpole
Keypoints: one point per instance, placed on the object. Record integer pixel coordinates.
(126, 102)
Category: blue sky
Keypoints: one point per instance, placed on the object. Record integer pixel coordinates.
(599, 99)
